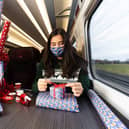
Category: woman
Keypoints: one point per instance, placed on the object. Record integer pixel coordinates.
(59, 53)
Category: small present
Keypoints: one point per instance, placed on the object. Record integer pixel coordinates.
(57, 92)
(17, 85)
(25, 99)
(69, 103)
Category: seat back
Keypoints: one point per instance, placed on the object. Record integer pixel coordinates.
(22, 66)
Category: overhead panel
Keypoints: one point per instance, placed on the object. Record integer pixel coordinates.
(35, 11)
(58, 12)
(62, 11)
(14, 12)
(51, 12)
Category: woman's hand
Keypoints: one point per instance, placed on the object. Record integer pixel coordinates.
(42, 84)
(77, 88)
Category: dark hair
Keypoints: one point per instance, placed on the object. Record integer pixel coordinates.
(71, 61)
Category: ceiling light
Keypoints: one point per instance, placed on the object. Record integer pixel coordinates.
(30, 16)
(43, 11)
(14, 41)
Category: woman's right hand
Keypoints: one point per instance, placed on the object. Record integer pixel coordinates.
(42, 84)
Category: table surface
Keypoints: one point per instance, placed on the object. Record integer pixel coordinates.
(18, 116)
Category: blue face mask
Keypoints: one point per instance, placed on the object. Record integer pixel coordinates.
(57, 51)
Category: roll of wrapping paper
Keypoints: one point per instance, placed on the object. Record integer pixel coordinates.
(57, 90)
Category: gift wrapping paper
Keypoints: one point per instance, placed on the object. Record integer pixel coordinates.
(111, 121)
(69, 103)
(1, 108)
(57, 92)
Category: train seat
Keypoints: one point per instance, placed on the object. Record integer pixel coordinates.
(22, 66)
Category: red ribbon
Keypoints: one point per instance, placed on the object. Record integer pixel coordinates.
(23, 101)
(22, 98)
(58, 86)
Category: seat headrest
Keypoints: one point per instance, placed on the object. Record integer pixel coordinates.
(24, 54)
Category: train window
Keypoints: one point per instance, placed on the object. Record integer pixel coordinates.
(108, 33)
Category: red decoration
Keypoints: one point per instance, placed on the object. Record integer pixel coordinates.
(3, 55)
(6, 98)
(24, 99)
(5, 89)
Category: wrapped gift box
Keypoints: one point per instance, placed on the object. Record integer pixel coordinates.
(57, 92)
(69, 103)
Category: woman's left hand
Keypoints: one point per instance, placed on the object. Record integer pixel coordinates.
(77, 88)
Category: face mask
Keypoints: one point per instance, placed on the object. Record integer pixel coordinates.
(57, 51)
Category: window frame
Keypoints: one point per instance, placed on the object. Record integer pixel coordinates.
(87, 33)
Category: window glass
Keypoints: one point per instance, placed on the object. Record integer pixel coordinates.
(109, 42)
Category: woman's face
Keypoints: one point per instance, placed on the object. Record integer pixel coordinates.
(57, 41)
(57, 46)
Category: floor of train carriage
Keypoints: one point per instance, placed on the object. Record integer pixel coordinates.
(18, 116)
